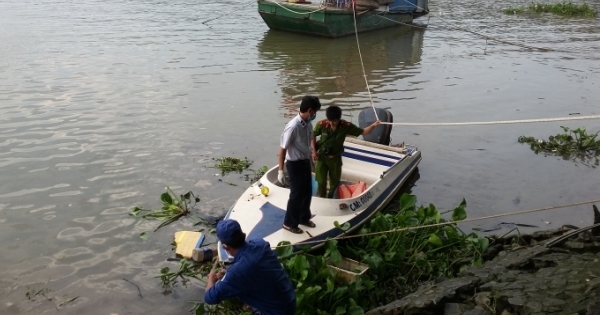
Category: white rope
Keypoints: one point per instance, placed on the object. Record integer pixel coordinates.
(402, 23)
(361, 59)
(321, 8)
(487, 37)
(222, 15)
(498, 122)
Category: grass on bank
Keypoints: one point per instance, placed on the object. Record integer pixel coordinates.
(398, 261)
(563, 9)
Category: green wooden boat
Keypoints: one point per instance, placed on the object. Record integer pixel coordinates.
(331, 21)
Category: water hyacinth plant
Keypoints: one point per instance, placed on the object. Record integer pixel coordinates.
(563, 9)
(230, 164)
(571, 142)
(174, 207)
(398, 261)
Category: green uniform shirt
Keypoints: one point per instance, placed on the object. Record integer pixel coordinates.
(332, 141)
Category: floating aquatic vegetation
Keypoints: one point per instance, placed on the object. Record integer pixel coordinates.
(174, 207)
(229, 164)
(256, 174)
(514, 10)
(564, 9)
(186, 270)
(573, 142)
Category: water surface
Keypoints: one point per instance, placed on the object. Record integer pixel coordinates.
(104, 103)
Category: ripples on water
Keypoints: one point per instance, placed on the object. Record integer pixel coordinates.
(104, 103)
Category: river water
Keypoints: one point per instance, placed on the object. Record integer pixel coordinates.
(105, 103)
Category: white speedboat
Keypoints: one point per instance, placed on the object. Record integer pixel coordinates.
(383, 168)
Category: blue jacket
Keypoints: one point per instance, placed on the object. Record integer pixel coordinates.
(257, 278)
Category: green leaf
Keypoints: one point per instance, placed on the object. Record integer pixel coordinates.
(374, 242)
(459, 213)
(352, 302)
(451, 232)
(144, 236)
(135, 211)
(284, 251)
(400, 251)
(355, 310)
(303, 274)
(312, 290)
(212, 230)
(340, 291)
(375, 259)
(430, 211)
(344, 227)
(421, 213)
(484, 243)
(300, 263)
(330, 285)
(340, 310)
(200, 309)
(335, 256)
(437, 216)
(407, 202)
(435, 240)
(166, 198)
(389, 256)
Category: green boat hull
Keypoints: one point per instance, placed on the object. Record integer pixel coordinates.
(328, 22)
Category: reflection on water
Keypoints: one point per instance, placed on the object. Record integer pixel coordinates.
(332, 67)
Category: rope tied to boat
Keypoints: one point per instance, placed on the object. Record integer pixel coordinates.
(235, 10)
(410, 228)
(362, 64)
(497, 122)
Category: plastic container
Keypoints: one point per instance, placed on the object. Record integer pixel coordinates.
(203, 254)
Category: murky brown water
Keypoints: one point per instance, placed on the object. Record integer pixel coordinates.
(104, 103)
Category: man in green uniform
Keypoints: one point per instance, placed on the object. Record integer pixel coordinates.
(333, 132)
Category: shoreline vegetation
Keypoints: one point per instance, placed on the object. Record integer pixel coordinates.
(563, 9)
(398, 262)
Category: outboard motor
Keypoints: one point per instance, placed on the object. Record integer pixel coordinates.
(381, 133)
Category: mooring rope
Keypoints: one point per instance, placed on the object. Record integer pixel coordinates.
(222, 15)
(321, 8)
(410, 228)
(361, 59)
(497, 122)
(487, 37)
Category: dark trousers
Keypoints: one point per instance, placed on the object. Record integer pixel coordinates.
(298, 207)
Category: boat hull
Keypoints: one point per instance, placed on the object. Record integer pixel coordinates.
(327, 22)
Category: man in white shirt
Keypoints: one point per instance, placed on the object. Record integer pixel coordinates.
(295, 147)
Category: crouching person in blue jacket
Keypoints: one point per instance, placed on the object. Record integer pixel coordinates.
(255, 276)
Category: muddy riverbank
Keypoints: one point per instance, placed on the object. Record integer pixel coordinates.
(529, 275)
